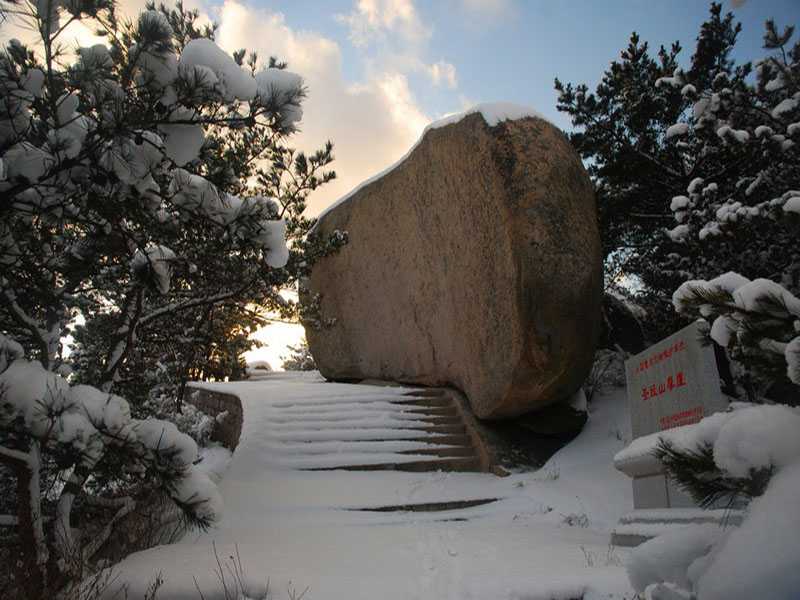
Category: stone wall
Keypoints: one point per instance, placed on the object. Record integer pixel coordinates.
(213, 403)
(155, 520)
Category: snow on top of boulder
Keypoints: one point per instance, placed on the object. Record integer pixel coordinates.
(492, 112)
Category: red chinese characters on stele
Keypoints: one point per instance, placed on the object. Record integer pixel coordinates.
(658, 357)
(684, 417)
(669, 384)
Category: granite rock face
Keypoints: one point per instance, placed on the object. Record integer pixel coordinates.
(475, 263)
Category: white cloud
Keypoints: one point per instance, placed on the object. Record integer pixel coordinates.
(371, 123)
(392, 38)
(442, 73)
(372, 20)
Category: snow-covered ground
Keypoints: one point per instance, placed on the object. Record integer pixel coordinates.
(546, 538)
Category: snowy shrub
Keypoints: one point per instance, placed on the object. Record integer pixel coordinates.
(757, 322)
(697, 172)
(148, 192)
(750, 454)
(185, 416)
(608, 370)
(82, 428)
(751, 451)
(300, 358)
(258, 368)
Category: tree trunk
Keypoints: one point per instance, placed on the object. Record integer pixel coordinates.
(31, 566)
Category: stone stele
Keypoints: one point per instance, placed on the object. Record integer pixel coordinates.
(475, 262)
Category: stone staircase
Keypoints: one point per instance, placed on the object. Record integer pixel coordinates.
(385, 429)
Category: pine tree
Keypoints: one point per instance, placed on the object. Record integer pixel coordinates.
(703, 146)
(148, 189)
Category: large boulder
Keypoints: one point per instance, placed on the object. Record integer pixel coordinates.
(474, 262)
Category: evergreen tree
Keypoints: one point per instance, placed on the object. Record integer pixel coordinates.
(147, 188)
(706, 146)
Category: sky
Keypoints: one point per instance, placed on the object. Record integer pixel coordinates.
(378, 71)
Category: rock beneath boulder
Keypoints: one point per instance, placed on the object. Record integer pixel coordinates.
(620, 327)
(475, 262)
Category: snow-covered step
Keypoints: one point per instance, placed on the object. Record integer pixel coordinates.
(342, 407)
(371, 429)
(355, 423)
(333, 447)
(461, 463)
(448, 451)
(428, 506)
(641, 525)
(347, 417)
(372, 434)
(371, 462)
(344, 400)
(681, 515)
